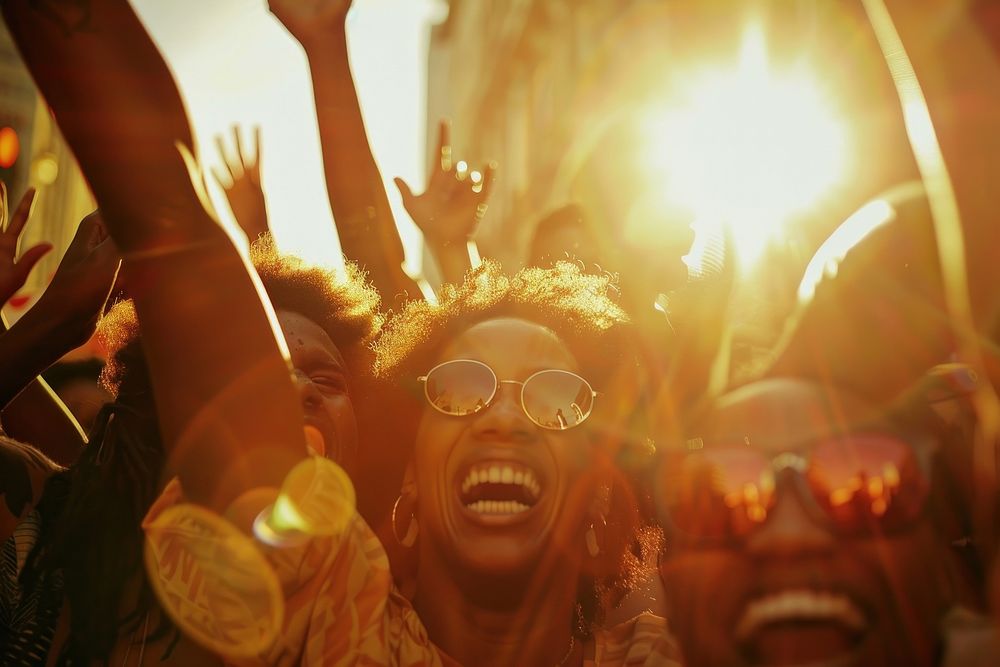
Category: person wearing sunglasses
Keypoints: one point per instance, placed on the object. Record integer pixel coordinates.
(807, 527)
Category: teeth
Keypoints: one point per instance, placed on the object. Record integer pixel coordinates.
(498, 507)
(502, 474)
(799, 604)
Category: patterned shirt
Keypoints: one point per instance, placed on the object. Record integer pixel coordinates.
(341, 608)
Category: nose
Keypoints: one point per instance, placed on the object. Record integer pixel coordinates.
(309, 395)
(504, 419)
(789, 530)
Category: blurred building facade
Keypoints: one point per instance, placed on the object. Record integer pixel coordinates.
(506, 72)
(44, 162)
(555, 91)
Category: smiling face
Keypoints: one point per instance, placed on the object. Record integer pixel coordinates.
(493, 490)
(323, 384)
(792, 591)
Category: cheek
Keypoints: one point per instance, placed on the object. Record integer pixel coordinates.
(435, 437)
(573, 452)
(704, 589)
(916, 573)
(341, 409)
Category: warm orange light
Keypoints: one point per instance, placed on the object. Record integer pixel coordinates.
(10, 147)
(747, 147)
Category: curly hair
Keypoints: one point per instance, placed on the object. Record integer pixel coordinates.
(577, 306)
(346, 308)
(581, 310)
(92, 512)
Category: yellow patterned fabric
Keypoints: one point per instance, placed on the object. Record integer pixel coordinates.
(341, 608)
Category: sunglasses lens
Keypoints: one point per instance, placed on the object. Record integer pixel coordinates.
(868, 483)
(557, 400)
(460, 387)
(719, 493)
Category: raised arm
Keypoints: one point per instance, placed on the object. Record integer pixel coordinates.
(239, 178)
(451, 207)
(63, 318)
(227, 408)
(365, 224)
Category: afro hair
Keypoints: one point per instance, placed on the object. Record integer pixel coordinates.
(345, 307)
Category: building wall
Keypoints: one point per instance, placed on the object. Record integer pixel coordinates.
(509, 74)
(44, 163)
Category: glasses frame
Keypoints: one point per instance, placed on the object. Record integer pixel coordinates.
(795, 464)
(497, 382)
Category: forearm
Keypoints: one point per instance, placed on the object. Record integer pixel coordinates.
(117, 106)
(31, 345)
(453, 261)
(38, 417)
(227, 409)
(29, 410)
(357, 193)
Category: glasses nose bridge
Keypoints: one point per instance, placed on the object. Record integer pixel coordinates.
(789, 461)
(505, 414)
(514, 395)
(790, 528)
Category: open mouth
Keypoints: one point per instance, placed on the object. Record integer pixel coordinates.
(500, 489)
(801, 627)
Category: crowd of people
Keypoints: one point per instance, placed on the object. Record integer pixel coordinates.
(299, 465)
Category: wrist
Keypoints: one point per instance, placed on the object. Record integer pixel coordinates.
(53, 326)
(324, 39)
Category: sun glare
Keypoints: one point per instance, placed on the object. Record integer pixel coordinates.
(748, 146)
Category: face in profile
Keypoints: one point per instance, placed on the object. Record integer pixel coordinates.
(799, 535)
(323, 385)
(495, 490)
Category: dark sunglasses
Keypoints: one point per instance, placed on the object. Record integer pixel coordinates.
(553, 399)
(860, 484)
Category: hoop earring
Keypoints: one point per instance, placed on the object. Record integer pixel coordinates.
(410, 538)
(590, 538)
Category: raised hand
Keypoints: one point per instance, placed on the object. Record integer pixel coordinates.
(240, 180)
(13, 270)
(455, 200)
(307, 19)
(81, 285)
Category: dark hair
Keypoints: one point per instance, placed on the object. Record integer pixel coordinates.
(575, 305)
(580, 309)
(92, 513)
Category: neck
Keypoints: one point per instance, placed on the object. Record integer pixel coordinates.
(475, 628)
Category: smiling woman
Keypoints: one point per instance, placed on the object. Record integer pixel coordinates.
(511, 501)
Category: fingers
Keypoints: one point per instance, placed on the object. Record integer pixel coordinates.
(227, 162)
(483, 186)
(444, 145)
(223, 178)
(246, 160)
(404, 190)
(3, 206)
(28, 260)
(256, 145)
(21, 215)
(92, 231)
(238, 142)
